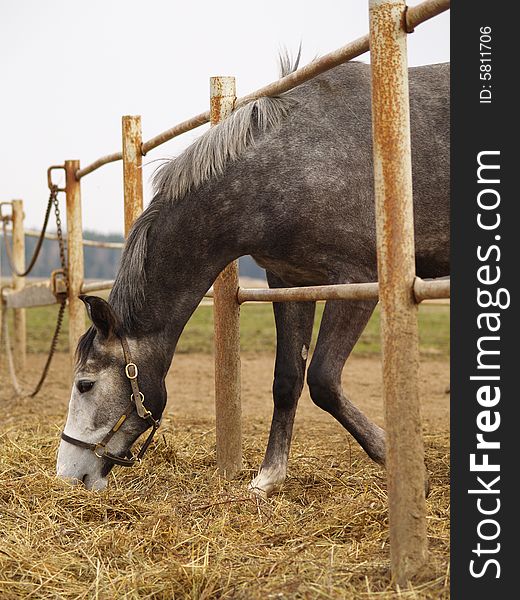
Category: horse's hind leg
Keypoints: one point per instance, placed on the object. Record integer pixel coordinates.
(294, 322)
(341, 325)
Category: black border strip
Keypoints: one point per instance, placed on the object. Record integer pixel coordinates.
(479, 127)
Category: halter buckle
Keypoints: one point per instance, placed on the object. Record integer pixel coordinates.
(127, 370)
(102, 446)
(142, 411)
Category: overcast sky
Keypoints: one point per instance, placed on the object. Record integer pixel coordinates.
(70, 68)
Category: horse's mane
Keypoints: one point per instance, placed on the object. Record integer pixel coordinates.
(204, 159)
(208, 156)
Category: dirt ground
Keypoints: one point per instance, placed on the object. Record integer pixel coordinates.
(321, 455)
(190, 386)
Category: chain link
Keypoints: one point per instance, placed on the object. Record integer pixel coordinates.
(61, 242)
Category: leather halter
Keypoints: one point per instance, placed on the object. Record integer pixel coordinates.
(136, 403)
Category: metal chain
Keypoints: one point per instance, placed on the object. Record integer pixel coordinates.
(52, 348)
(61, 243)
(53, 199)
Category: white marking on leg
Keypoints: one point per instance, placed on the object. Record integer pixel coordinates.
(268, 480)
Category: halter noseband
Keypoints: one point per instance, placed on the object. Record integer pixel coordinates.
(136, 403)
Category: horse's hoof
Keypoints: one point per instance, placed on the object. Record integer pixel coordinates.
(257, 492)
(266, 482)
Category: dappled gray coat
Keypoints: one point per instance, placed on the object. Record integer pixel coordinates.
(288, 180)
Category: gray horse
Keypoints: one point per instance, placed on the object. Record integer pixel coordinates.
(289, 181)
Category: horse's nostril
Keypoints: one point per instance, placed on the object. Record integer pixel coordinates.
(84, 479)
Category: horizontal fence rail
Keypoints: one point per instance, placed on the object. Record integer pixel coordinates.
(40, 294)
(97, 286)
(423, 290)
(91, 243)
(415, 15)
(347, 291)
(432, 289)
(31, 296)
(103, 160)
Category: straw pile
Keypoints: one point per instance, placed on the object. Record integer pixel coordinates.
(173, 529)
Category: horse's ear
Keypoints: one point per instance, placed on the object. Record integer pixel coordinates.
(101, 315)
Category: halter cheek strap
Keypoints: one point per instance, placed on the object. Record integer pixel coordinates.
(137, 404)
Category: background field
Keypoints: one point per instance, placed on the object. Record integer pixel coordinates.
(258, 332)
(174, 529)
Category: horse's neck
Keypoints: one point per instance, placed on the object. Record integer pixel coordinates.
(186, 252)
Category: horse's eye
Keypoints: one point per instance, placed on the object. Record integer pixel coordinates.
(84, 385)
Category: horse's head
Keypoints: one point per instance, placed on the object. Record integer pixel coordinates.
(104, 420)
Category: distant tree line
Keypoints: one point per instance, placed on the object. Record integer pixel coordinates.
(100, 263)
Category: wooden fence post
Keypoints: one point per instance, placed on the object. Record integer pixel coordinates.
(132, 169)
(228, 408)
(19, 325)
(74, 256)
(396, 267)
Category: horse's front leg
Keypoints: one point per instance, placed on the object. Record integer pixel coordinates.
(294, 322)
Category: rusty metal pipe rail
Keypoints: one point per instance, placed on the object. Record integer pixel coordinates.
(91, 243)
(346, 291)
(43, 294)
(39, 294)
(176, 130)
(96, 286)
(415, 15)
(423, 290)
(104, 160)
(434, 289)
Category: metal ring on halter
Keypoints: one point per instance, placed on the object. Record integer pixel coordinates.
(136, 372)
(95, 450)
(145, 413)
(141, 396)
